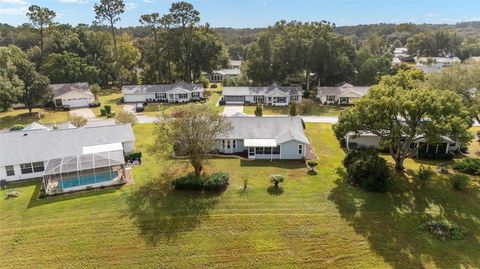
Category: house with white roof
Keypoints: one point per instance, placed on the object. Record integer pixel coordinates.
(273, 95)
(342, 94)
(266, 138)
(234, 64)
(172, 93)
(67, 159)
(224, 74)
(72, 95)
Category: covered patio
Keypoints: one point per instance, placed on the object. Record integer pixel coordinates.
(90, 170)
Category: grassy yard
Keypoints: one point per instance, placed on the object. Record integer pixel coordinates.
(314, 221)
(316, 110)
(21, 116)
(109, 97)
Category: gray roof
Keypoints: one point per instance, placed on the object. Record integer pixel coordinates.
(41, 145)
(160, 88)
(243, 91)
(283, 129)
(342, 88)
(61, 89)
(430, 69)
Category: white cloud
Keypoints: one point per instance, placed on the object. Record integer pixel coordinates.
(15, 2)
(20, 11)
(74, 1)
(149, 1)
(431, 15)
(131, 5)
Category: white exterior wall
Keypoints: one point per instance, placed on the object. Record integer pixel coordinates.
(366, 141)
(137, 98)
(18, 173)
(78, 102)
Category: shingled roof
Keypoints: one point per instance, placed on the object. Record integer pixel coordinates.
(61, 89)
(161, 88)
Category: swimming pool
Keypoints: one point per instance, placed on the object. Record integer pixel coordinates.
(87, 180)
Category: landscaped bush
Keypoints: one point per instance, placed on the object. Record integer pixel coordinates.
(442, 229)
(276, 179)
(133, 156)
(17, 127)
(103, 112)
(110, 115)
(312, 165)
(215, 182)
(459, 182)
(367, 170)
(108, 108)
(424, 173)
(469, 166)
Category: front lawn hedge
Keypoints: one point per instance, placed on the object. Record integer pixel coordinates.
(469, 166)
(215, 182)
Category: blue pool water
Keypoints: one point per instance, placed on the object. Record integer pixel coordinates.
(87, 180)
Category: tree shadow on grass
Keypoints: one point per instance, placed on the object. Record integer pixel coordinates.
(390, 221)
(275, 191)
(162, 213)
(286, 164)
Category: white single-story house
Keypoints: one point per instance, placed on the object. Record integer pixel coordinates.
(343, 94)
(172, 93)
(67, 159)
(265, 138)
(273, 95)
(72, 94)
(371, 140)
(234, 64)
(224, 74)
(439, 61)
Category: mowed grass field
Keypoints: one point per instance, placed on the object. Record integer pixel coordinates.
(317, 109)
(313, 222)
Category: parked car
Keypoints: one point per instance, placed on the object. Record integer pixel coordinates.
(139, 107)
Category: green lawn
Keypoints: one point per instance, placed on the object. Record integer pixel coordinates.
(316, 222)
(317, 110)
(21, 116)
(109, 97)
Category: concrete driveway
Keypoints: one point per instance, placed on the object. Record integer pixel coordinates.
(229, 111)
(129, 108)
(84, 112)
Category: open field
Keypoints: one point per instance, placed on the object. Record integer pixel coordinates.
(316, 110)
(315, 221)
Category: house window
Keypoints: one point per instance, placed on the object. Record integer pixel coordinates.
(267, 150)
(279, 99)
(223, 144)
(294, 98)
(234, 144)
(160, 95)
(276, 150)
(258, 150)
(330, 98)
(38, 167)
(10, 170)
(170, 96)
(228, 144)
(300, 149)
(26, 168)
(195, 94)
(183, 95)
(258, 98)
(343, 100)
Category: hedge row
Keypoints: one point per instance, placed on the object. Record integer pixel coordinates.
(214, 182)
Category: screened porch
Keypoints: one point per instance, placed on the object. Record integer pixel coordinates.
(84, 171)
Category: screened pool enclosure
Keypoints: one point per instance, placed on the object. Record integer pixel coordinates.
(80, 172)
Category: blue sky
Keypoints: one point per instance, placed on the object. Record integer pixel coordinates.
(259, 13)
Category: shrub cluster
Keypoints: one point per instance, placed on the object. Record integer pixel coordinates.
(215, 182)
(424, 173)
(17, 127)
(133, 156)
(442, 229)
(367, 170)
(459, 182)
(469, 166)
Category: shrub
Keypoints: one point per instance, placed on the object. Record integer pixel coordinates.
(459, 182)
(103, 112)
(292, 110)
(108, 108)
(442, 229)
(110, 115)
(133, 156)
(276, 179)
(468, 166)
(125, 117)
(367, 170)
(78, 121)
(259, 110)
(17, 127)
(312, 165)
(424, 173)
(189, 182)
(216, 182)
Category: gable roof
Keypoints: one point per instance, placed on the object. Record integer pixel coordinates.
(35, 126)
(243, 91)
(79, 89)
(343, 89)
(282, 129)
(42, 145)
(161, 88)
